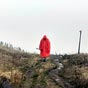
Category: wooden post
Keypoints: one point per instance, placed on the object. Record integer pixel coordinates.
(79, 42)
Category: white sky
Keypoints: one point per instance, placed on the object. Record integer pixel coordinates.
(24, 22)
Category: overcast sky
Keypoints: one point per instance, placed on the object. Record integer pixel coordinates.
(24, 22)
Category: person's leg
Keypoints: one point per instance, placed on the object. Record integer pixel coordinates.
(45, 59)
(41, 59)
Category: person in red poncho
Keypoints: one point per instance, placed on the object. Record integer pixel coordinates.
(44, 48)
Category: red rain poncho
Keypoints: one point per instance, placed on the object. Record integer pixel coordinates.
(44, 47)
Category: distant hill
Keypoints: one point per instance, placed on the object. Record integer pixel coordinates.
(10, 47)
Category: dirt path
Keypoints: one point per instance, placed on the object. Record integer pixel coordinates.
(59, 80)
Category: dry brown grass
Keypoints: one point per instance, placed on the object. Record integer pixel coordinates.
(15, 76)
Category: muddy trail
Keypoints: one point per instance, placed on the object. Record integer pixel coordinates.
(54, 70)
(59, 80)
